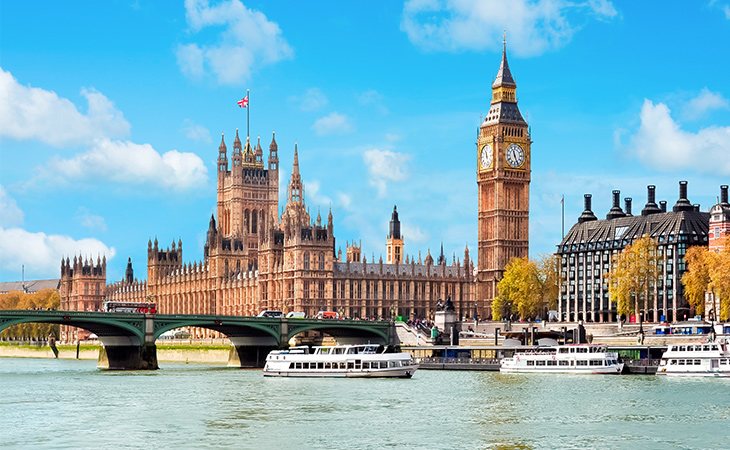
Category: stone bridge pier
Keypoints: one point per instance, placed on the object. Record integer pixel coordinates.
(129, 352)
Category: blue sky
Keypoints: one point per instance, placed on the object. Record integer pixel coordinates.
(111, 114)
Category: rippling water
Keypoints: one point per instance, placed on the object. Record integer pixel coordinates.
(70, 404)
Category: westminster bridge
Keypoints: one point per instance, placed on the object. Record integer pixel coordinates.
(128, 340)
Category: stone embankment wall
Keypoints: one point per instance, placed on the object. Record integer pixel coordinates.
(191, 353)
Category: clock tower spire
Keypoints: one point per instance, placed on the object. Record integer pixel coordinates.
(503, 180)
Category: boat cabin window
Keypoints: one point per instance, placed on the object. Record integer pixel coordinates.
(673, 362)
(582, 350)
(530, 363)
(581, 363)
(682, 348)
(714, 348)
(563, 350)
(572, 350)
(552, 363)
(723, 361)
(697, 362)
(540, 363)
(680, 362)
(563, 363)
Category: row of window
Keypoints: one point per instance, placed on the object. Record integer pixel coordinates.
(592, 362)
(344, 365)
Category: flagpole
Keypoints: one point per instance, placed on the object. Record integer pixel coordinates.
(248, 113)
(562, 207)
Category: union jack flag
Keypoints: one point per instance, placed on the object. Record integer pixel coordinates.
(243, 103)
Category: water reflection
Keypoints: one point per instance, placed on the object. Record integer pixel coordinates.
(194, 406)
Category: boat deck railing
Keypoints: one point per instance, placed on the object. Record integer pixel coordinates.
(445, 360)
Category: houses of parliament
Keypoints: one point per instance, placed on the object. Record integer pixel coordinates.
(256, 260)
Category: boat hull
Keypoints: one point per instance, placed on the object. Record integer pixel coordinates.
(695, 374)
(396, 372)
(610, 370)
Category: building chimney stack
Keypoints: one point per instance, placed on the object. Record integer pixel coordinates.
(627, 208)
(651, 206)
(683, 203)
(723, 195)
(616, 210)
(663, 206)
(587, 211)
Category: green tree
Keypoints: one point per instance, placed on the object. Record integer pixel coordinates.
(634, 274)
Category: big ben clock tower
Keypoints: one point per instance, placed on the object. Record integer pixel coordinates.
(503, 179)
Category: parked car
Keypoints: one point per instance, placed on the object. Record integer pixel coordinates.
(271, 314)
(295, 315)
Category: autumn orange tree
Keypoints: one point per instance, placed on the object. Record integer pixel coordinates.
(43, 299)
(633, 276)
(708, 272)
(527, 288)
(696, 279)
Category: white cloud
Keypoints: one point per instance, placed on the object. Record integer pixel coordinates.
(10, 214)
(660, 142)
(88, 220)
(312, 99)
(726, 10)
(373, 99)
(705, 102)
(385, 166)
(196, 132)
(333, 123)
(248, 37)
(312, 190)
(533, 27)
(344, 200)
(34, 113)
(41, 253)
(128, 162)
(414, 234)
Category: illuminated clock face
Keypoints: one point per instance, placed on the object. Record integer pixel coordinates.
(515, 155)
(485, 159)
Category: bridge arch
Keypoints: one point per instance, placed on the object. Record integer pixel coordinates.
(101, 326)
(344, 332)
(233, 328)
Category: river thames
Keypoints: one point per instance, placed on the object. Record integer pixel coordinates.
(70, 404)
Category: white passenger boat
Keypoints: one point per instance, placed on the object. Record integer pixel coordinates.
(711, 359)
(350, 361)
(575, 359)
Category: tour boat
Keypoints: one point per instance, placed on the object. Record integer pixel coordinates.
(575, 359)
(347, 361)
(710, 359)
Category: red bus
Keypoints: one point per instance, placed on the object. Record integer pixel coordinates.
(131, 307)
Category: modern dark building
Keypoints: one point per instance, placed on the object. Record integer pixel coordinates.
(588, 250)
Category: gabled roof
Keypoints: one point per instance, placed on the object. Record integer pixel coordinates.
(674, 226)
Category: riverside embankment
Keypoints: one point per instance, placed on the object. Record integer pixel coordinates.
(180, 352)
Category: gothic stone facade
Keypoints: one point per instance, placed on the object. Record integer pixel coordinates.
(254, 261)
(503, 180)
